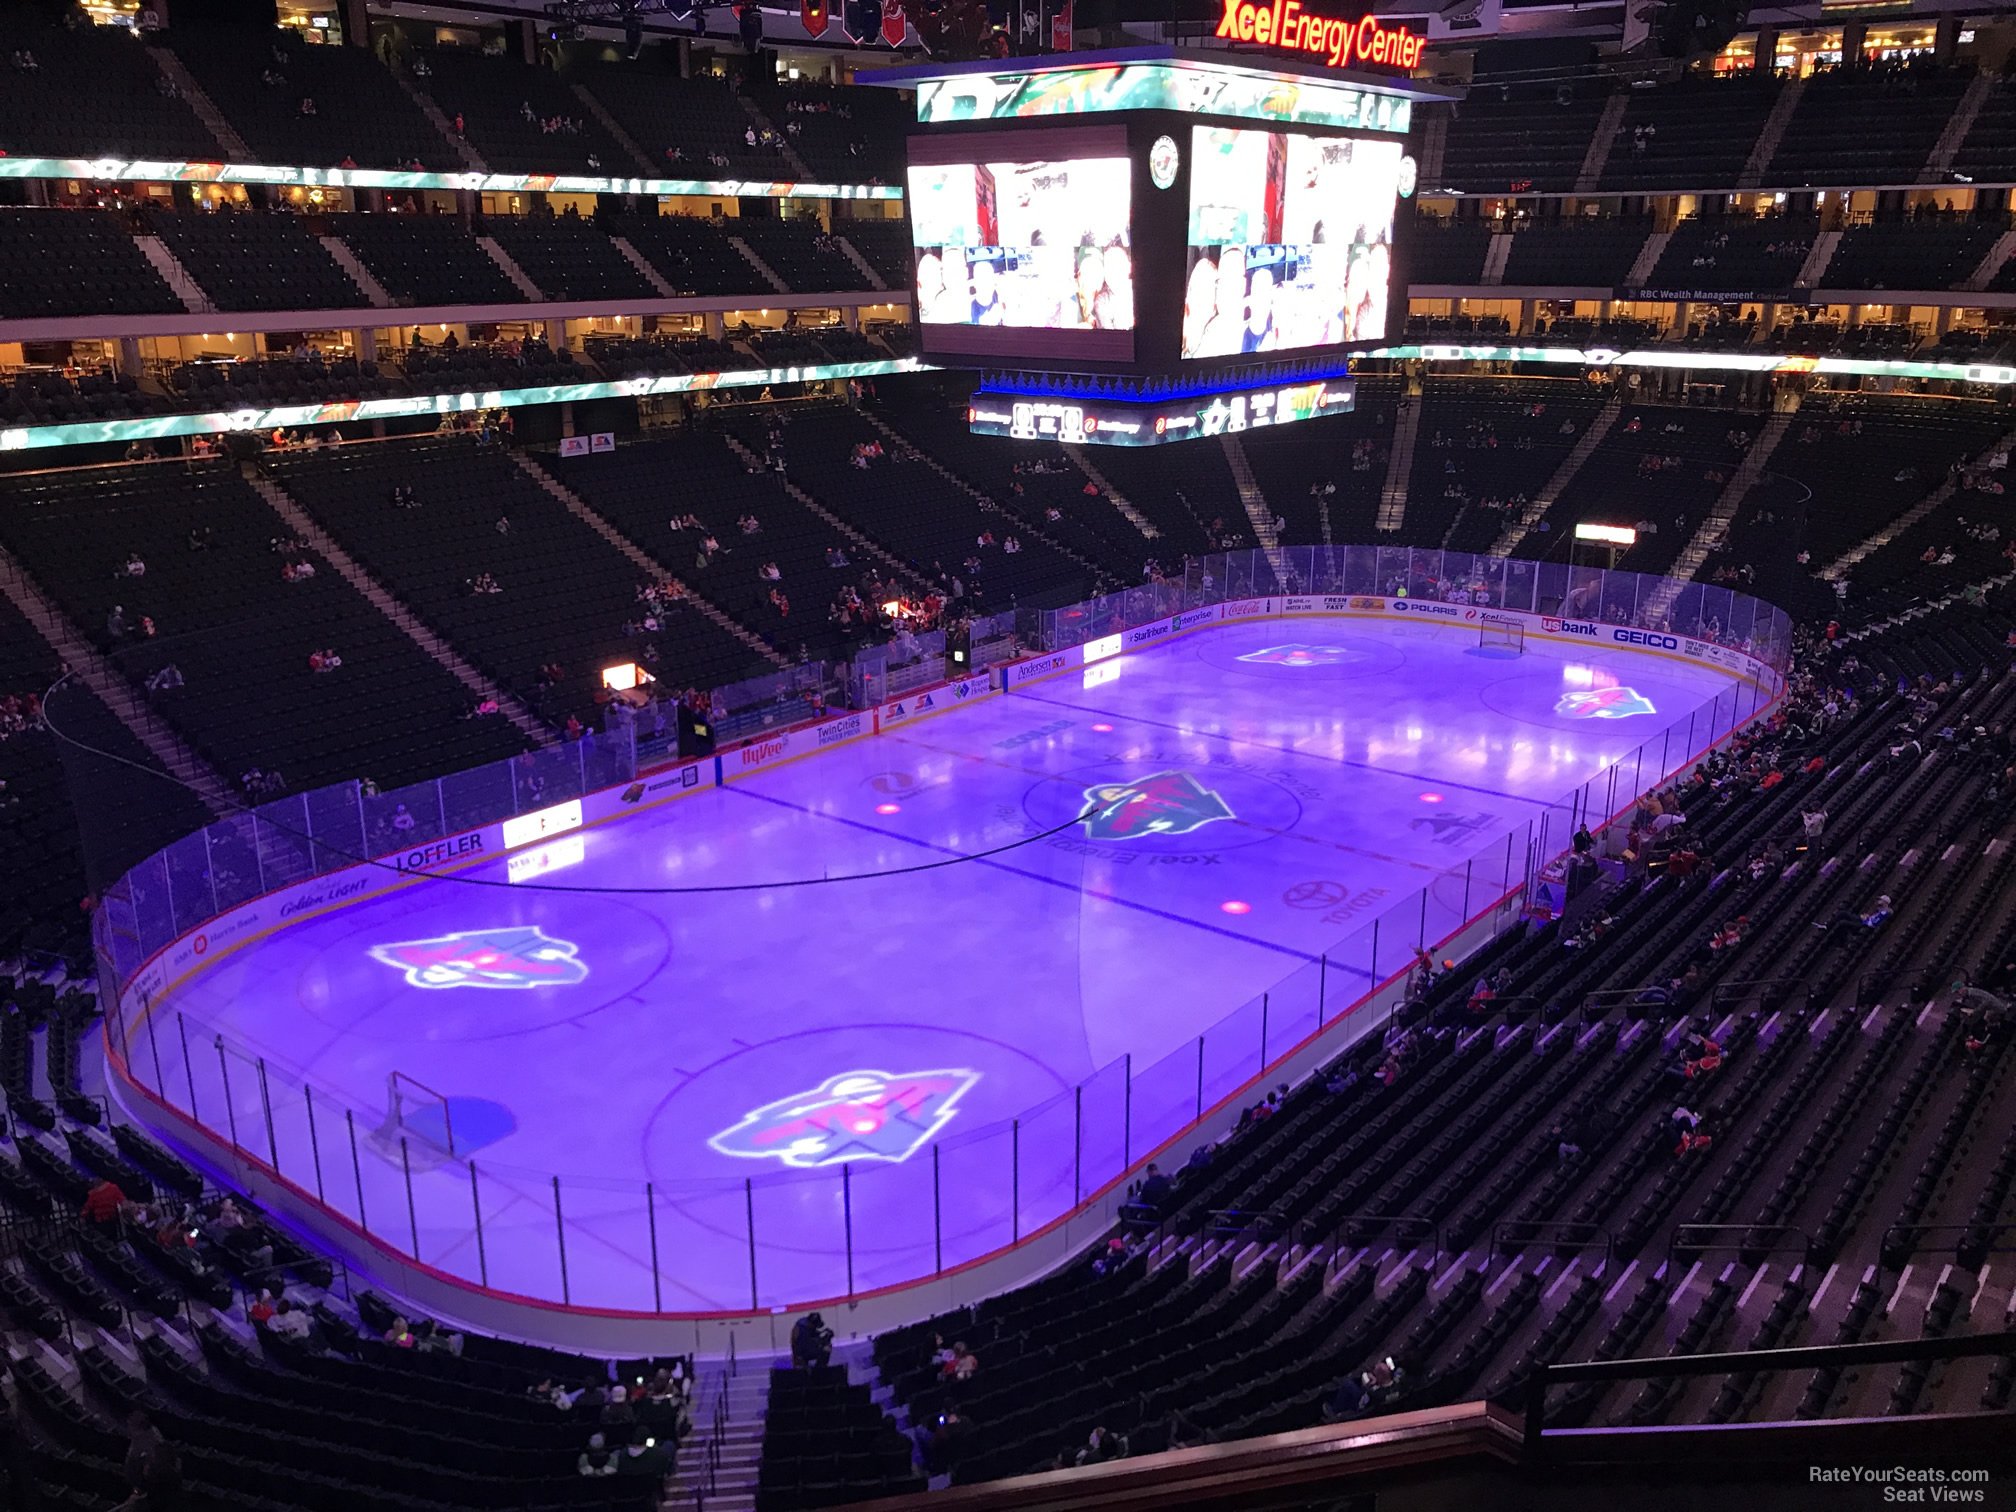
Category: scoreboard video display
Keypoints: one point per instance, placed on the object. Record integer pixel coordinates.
(1290, 244)
(1023, 242)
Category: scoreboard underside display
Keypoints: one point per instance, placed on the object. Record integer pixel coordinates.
(1179, 221)
(1078, 421)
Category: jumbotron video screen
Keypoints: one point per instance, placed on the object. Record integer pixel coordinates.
(1290, 243)
(1160, 243)
(1027, 239)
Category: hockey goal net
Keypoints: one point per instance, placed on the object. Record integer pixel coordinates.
(1506, 640)
(418, 1112)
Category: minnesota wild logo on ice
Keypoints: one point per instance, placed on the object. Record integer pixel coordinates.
(1168, 803)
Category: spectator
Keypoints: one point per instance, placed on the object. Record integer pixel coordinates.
(1155, 1189)
(104, 1202)
(153, 1469)
(643, 1459)
(1102, 1445)
(596, 1458)
(400, 1334)
(288, 1322)
(811, 1342)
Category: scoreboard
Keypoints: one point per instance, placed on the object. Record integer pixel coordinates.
(1153, 208)
(1170, 221)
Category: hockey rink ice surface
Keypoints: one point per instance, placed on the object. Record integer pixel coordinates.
(1253, 796)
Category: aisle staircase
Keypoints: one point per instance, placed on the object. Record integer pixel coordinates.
(303, 526)
(510, 269)
(719, 1462)
(1400, 464)
(367, 284)
(1496, 255)
(639, 558)
(178, 278)
(986, 502)
(768, 273)
(637, 260)
(887, 558)
(1434, 146)
(471, 158)
(1772, 134)
(1939, 166)
(1258, 511)
(1818, 256)
(1602, 141)
(201, 105)
(1837, 569)
(113, 689)
(637, 155)
(1113, 495)
(1715, 527)
(1591, 438)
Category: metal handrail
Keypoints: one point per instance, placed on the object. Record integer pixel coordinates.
(1504, 1240)
(1399, 1221)
(1677, 1243)
(2003, 1226)
(1751, 1362)
(1726, 992)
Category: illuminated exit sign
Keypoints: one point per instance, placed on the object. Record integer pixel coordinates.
(1285, 25)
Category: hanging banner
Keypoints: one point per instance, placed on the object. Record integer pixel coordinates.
(1061, 27)
(861, 20)
(894, 26)
(812, 16)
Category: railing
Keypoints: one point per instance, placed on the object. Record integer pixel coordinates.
(591, 1242)
(1747, 1362)
(709, 1477)
(1689, 1240)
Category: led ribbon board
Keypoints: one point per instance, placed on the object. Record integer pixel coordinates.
(1076, 421)
(1193, 87)
(122, 170)
(287, 416)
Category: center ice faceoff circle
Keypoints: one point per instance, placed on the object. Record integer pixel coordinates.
(1165, 801)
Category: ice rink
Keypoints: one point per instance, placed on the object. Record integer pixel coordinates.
(1227, 816)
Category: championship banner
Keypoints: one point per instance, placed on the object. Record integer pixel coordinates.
(894, 26)
(812, 16)
(860, 20)
(1061, 27)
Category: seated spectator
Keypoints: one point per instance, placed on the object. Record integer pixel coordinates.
(963, 1364)
(399, 1334)
(643, 1459)
(288, 1322)
(596, 1458)
(1155, 1189)
(1102, 1445)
